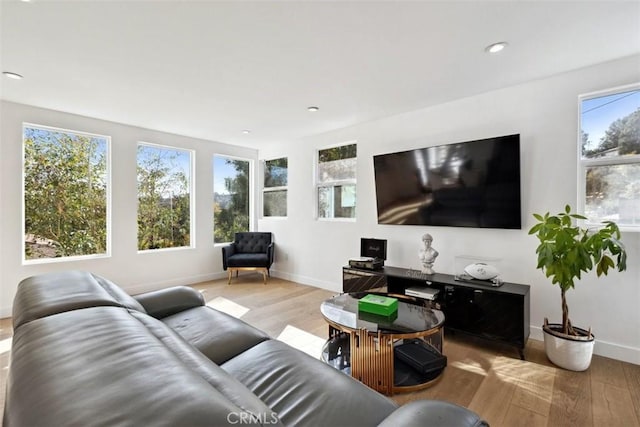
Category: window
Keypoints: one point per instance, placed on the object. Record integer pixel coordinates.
(336, 182)
(274, 193)
(610, 156)
(66, 193)
(164, 197)
(231, 197)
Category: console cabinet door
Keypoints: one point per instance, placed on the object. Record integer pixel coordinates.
(355, 280)
(484, 313)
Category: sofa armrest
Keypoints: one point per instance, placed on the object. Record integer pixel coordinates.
(166, 302)
(427, 413)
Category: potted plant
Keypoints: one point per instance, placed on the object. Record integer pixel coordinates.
(564, 253)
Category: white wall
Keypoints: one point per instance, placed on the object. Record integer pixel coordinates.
(134, 272)
(545, 114)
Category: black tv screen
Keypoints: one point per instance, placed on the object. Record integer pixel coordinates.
(467, 184)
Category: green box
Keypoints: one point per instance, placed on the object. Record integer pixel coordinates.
(378, 318)
(378, 304)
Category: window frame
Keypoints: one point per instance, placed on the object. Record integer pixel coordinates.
(585, 163)
(251, 185)
(335, 183)
(192, 199)
(73, 258)
(266, 189)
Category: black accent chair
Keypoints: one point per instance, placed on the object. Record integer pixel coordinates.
(250, 251)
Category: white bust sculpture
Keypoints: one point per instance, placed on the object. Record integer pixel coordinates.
(427, 254)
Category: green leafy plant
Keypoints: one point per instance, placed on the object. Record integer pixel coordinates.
(567, 250)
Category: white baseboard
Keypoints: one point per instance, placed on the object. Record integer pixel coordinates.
(306, 280)
(601, 348)
(5, 311)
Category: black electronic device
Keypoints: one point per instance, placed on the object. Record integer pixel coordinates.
(374, 248)
(373, 252)
(367, 263)
(421, 356)
(467, 184)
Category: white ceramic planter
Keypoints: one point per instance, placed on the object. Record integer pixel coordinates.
(574, 355)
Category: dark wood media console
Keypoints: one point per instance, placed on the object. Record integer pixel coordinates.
(473, 307)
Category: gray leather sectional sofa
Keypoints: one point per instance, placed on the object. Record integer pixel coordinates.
(85, 353)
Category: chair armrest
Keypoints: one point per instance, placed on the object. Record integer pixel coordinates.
(166, 302)
(270, 251)
(427, 413)
(227, 251)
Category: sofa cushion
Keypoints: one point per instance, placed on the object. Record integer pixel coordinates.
(305, 391)
(52, 293)
(220, 379)
(101, 367)
(248, 260)
(216, 334)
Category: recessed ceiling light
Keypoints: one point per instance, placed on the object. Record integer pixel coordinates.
(246, 131)
(11, 75)
(496, 47)
(312, 109)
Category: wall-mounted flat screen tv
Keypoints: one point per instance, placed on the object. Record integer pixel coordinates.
(467, 184)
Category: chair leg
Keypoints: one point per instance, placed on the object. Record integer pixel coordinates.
(230, 274)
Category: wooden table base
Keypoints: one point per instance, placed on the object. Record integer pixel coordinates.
(262, 270)
(372, 357)
(372, 360)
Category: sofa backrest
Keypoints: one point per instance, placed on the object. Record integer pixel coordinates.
(252, 242)
(51, 293)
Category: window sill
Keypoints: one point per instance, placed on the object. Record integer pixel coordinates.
(336, 219)
(37, 261)
(152, 251)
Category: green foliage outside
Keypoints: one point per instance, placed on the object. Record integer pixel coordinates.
(276, 171)
(274, 198)
(65, 194)
(337, 153)
(623, 135)
(231, 213)
(612, 191)
(337, 199)
(163, 199)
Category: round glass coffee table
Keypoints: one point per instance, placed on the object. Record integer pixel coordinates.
(389, 354)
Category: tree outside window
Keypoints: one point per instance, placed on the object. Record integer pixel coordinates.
(164, 197)
(274, 195)
(610, 156)
(231, 198)
(66, 182)
(336, 182)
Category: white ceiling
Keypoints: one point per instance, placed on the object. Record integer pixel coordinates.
(211, 69)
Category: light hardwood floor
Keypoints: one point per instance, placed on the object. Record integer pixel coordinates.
(489, 379)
